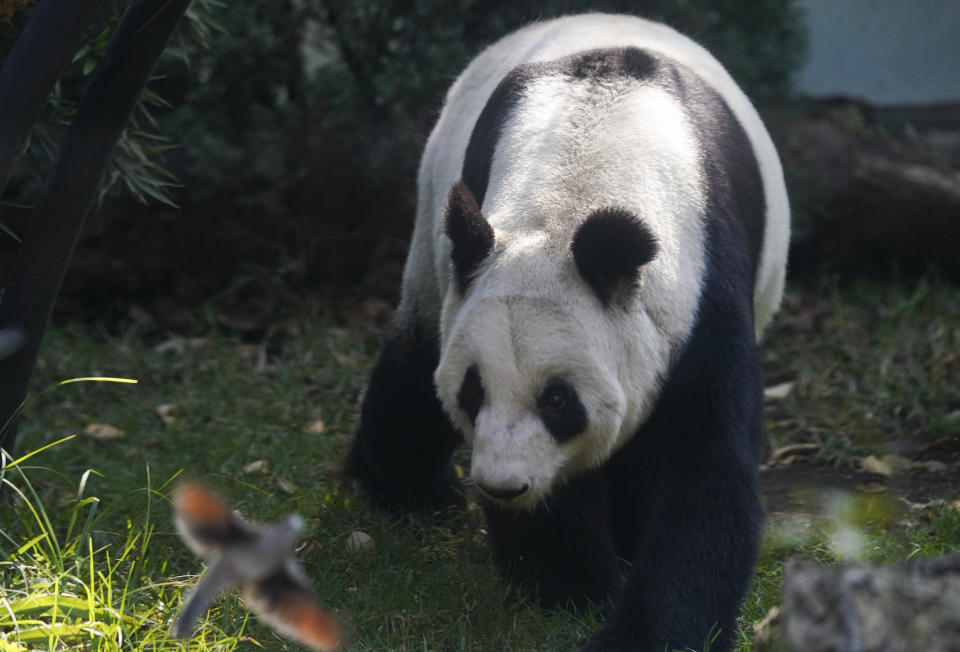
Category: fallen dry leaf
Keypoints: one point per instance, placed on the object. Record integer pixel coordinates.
(316, 426)
(166, 413)
(285, 486)
(257, 466)
(779, 391)
(763, 629)
(306, 547)
(104, 431)
(886, 465)
(358, 541)
(930, 466)
(181, 344)
(872, 464)
(793, 450)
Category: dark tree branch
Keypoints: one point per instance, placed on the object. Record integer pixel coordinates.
(33, 67)
(48, 244)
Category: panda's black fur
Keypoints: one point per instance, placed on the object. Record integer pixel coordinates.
(678, 499)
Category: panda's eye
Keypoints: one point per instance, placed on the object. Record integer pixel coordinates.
(555, 398)
(561, 410)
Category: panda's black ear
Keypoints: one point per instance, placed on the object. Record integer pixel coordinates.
(609, 248)
(469, 232)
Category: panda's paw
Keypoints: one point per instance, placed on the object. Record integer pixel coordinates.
(436, 501)
(444, 497)
(440, 494)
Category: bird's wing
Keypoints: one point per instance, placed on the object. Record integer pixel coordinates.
(217, 578)
(286, 601)
(206, 523)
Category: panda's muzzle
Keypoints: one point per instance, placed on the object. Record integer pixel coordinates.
(503, 493)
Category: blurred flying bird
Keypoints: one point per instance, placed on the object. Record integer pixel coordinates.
(257, 558)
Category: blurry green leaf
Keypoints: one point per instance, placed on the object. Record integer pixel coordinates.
(81, 53)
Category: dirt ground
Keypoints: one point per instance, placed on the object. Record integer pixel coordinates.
(802, 486)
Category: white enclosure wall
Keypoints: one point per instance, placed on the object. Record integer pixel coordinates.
(884, 51)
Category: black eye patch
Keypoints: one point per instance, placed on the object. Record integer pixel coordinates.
(471, 396)
(561, 410)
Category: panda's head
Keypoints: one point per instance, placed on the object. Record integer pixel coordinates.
(544, 353)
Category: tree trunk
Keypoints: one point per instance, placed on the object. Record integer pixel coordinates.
(48, 243)
(870, 186)
(32, 69)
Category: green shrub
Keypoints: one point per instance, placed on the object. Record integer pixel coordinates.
(307, 105)
(314, 114)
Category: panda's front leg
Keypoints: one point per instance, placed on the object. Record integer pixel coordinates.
(561, 551)
(694, 557)
(402, 450)
(688, 480)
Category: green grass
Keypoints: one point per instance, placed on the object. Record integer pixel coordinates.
(426, 586)
(89, 559)
(68, 584)
(873, 361)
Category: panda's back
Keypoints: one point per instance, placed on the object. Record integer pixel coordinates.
(444, 158)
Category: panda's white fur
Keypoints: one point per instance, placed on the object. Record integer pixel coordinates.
(426, 274)
(564, 153)
(533, 280)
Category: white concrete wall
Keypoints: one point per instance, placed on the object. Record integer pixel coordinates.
(886, 51)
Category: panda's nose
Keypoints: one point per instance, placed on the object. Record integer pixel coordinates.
(503, 493)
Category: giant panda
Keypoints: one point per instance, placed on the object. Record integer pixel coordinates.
(600, 240)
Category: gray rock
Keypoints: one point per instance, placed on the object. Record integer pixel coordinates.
(872, 608)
